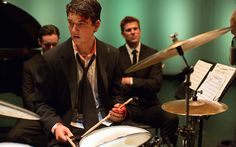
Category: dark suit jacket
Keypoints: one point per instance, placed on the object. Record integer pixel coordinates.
(146, 82)
(29, 72)
(56, 82)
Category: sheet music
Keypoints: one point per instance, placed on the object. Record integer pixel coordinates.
(200, 70)
(225, 71)
(215, 83)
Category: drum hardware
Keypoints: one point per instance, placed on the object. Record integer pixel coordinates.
(192, 108)
(179, 47)
(154, 142)
(188, 130)
(158, 142)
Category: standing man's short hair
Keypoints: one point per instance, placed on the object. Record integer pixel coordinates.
(128, 19)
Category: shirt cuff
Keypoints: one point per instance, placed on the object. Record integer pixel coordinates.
(131, 81)
(54, 127)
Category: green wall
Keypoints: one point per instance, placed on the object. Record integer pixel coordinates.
(159, 19)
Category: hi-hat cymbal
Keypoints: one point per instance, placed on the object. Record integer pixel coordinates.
(11, 110)
(196, 108)
(191, 43)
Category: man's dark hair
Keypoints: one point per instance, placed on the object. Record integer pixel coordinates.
(128, 19)
(86, 8)
(48, 30)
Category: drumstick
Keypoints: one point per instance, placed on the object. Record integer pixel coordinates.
(70, 141)
(106, 118)
(125, 103)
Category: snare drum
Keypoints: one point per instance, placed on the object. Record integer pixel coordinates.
(116, 136)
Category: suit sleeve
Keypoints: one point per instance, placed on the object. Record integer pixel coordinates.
(152, 81)
(28, 86)
(43, 99)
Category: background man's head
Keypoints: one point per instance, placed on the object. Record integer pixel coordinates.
(48, 37)
(130, 30)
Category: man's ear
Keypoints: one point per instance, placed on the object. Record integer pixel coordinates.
(122, 34)
(39, 42)
(233, 23)
(97, 25)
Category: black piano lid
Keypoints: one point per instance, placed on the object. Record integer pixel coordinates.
(18, 43)
(18, 29)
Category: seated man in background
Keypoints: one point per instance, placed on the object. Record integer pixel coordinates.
(49, 36)
(28, 131)
(144, 83)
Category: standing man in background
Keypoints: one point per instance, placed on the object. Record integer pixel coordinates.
(144, 84)
(28, 131)
(78, 78)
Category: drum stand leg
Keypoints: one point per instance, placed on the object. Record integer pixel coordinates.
(200, 132)
(189, 133)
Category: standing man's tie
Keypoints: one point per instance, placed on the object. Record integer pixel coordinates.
(86, 98)
(134, 53)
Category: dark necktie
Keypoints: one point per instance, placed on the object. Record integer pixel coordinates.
(86, 98)
(134, 52)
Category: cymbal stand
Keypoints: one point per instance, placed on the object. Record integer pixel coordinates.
(199, 120)
(193, 130)
(188, 131)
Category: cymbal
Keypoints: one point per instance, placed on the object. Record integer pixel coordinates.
(11, 110)
(196, 108)
(186, 45)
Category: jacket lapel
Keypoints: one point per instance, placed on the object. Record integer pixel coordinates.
(101, 65)
(68, 64)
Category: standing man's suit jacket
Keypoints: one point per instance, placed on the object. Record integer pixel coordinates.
(56, 86)
(146, 82)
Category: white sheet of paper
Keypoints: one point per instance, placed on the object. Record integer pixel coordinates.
(216, 82)
(200, 70)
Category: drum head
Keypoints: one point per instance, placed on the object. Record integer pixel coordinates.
(116, 136)
(12, 144)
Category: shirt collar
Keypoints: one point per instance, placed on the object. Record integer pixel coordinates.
(129, 49)
(93, 51)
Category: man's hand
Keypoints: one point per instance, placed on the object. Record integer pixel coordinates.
(233, 23)
(61, 132)
(118, 114)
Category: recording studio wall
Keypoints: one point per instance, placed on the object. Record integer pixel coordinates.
(159, 19)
